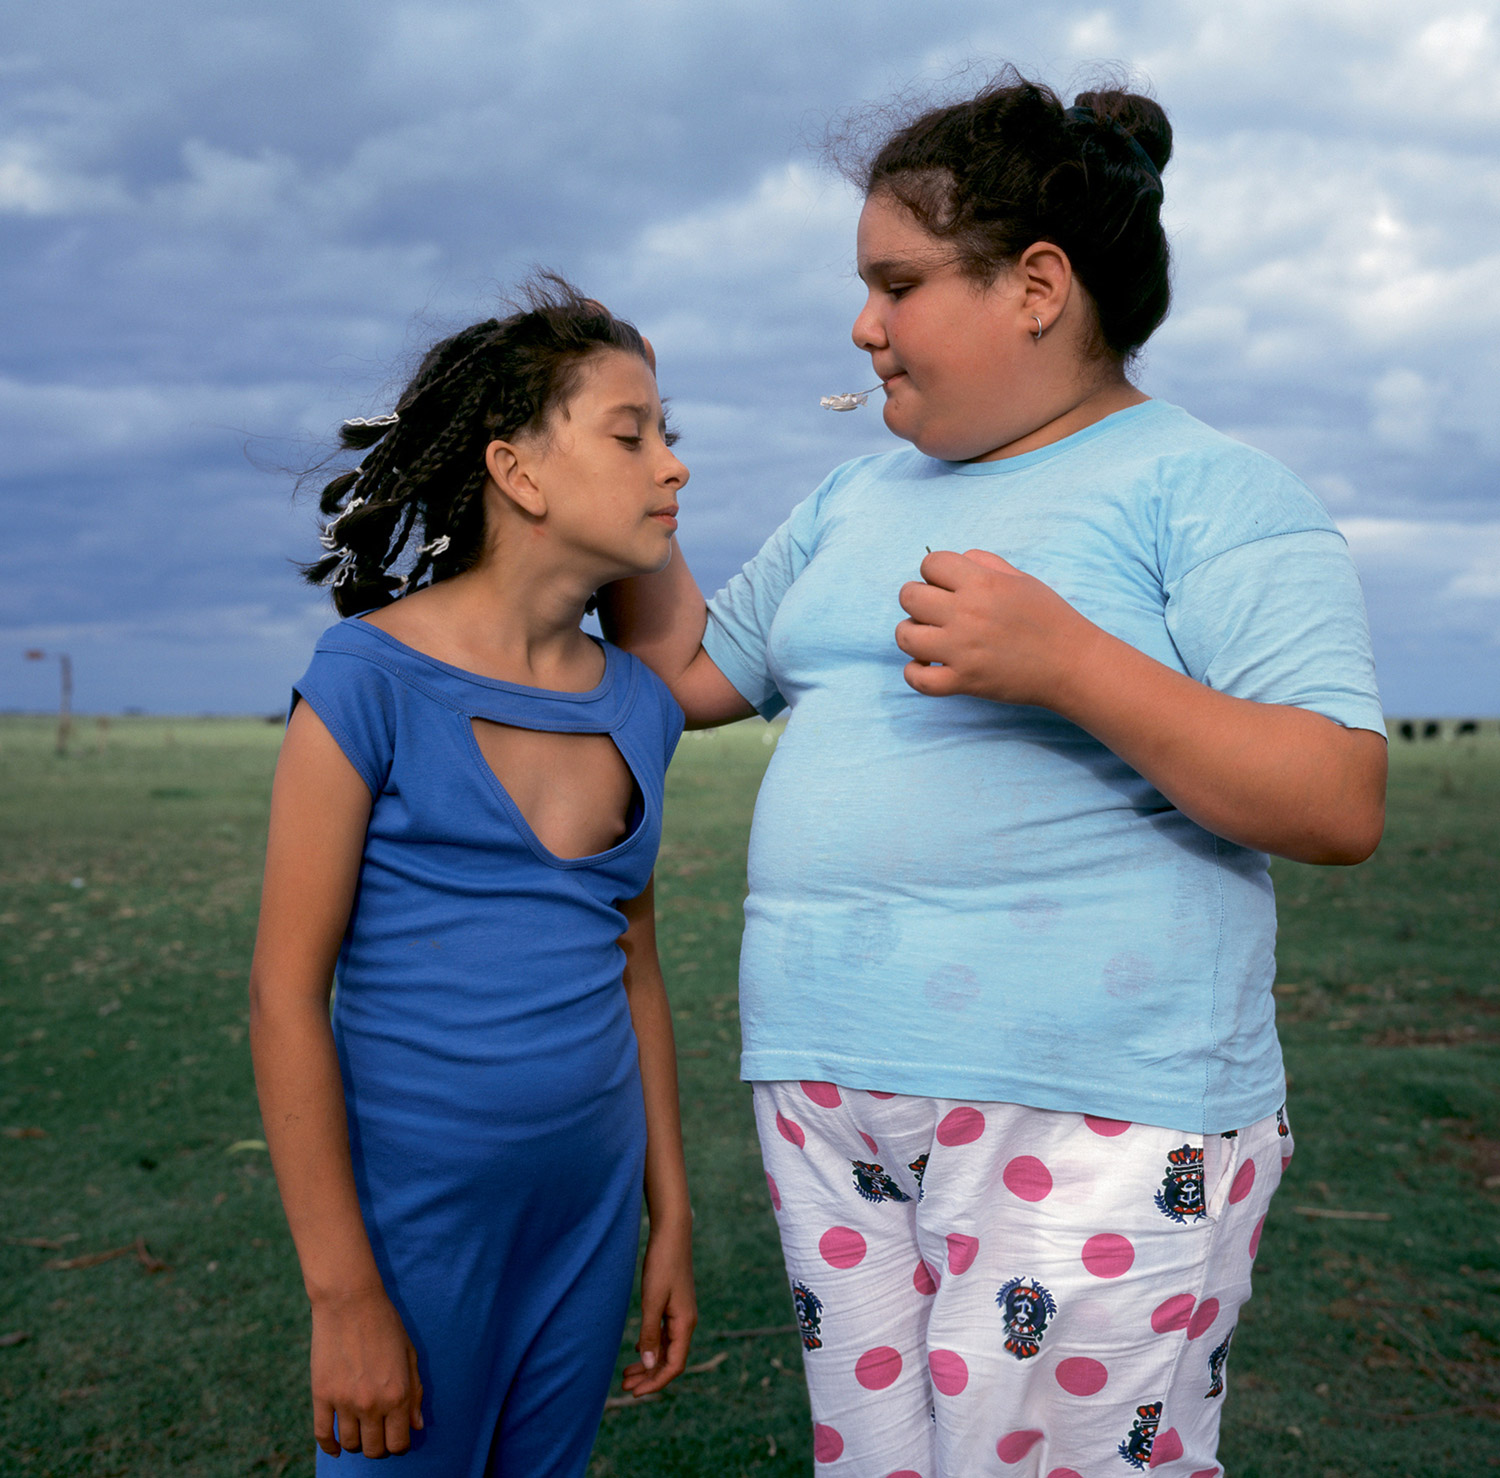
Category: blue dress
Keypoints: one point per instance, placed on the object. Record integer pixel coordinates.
(489, 1066)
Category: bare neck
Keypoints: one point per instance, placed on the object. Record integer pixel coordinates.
(509, 618)
(1072, 409)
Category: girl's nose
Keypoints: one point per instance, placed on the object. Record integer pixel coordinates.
(674, 473)
(868, 333)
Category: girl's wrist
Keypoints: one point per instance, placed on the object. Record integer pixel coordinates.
(1080, 677)
(338, 1293)
(675, 1220)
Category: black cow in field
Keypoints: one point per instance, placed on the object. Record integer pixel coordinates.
(1467, 727)
(1432, 729)
(1407, 730)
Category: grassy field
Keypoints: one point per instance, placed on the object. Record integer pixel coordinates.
(128, 884)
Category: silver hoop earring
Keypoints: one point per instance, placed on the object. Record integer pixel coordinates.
(1037, 336)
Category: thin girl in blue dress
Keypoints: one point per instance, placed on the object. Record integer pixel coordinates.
(464, 820)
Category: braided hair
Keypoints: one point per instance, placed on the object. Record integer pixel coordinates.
(421, 483)
(1013, 165)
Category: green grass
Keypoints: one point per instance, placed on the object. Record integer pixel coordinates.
(128, 884)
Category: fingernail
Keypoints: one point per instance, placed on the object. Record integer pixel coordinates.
(648, 1359)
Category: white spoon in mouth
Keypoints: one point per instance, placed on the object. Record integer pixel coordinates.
(850, 400)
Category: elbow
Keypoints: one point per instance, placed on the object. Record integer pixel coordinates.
(1354, 816)
(1353, 841)
(257, 1003)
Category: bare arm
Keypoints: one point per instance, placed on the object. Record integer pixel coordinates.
(1264, 775)
(363, 1366)
(661, 619)
(669, 1309)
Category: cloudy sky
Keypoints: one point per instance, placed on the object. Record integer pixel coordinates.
(226, 225)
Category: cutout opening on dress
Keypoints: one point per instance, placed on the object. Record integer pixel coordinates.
(564, 786)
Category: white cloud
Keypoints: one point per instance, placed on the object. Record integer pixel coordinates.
(793, 220)
(1459, 563)
(1404, 406)
(33, 184)
(53, 427)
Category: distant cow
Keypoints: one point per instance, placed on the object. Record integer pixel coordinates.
(1407, 730)
(1467, 727)
(1432, 729)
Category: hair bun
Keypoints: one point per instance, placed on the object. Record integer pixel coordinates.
(1140, 117)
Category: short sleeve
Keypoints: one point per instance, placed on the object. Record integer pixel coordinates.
(353, 697)
(740, 615)
(1280, 619)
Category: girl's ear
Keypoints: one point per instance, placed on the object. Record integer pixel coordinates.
(513, 470)
(1046, 278)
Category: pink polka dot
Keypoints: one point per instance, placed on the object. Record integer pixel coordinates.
(869, 1141)
(874, 1094)
(842, 1247)
(1285, 1161)
(828, 1446)
(1174, 1314)
(825, 1095)
(1108, 1255)
(1027, 1178)
(790, 1131)
(905, 1473)
(775, 1193)
(1255, 1237)
(962, 1126)
(1201, 1321)
(1205, 1473)
(962, 1251)
(1167, 1448)
(1242, 1183)
(1107, 1127)
(925, 1279)
(1013, 1446)
(1081, 1376)
(1065, 1473)
(878, 1368)
(949, 1373)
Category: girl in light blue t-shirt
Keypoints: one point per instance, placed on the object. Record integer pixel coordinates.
(1008, 956)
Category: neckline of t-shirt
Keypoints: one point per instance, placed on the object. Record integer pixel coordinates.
(495, 684)
(1104, 426)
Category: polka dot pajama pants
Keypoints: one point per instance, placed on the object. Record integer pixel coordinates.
(983, 1288)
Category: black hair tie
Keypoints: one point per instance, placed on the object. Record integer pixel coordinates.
(1084, 114)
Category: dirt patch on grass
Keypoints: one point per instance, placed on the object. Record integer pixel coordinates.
(1465, 1035)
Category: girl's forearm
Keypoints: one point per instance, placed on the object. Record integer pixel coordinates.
(1268, 776)
(302, 1107)
(666, 1170)
(651, 1016)
(659, 618)
(1264, 775)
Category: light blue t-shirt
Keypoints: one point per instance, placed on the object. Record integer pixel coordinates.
(956, 898)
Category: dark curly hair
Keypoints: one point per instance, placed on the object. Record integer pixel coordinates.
(1013, 165)
(421, 484)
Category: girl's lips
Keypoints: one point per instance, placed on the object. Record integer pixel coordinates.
(667, 517)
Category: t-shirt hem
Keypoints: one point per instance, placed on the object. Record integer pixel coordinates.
(923, 1080)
